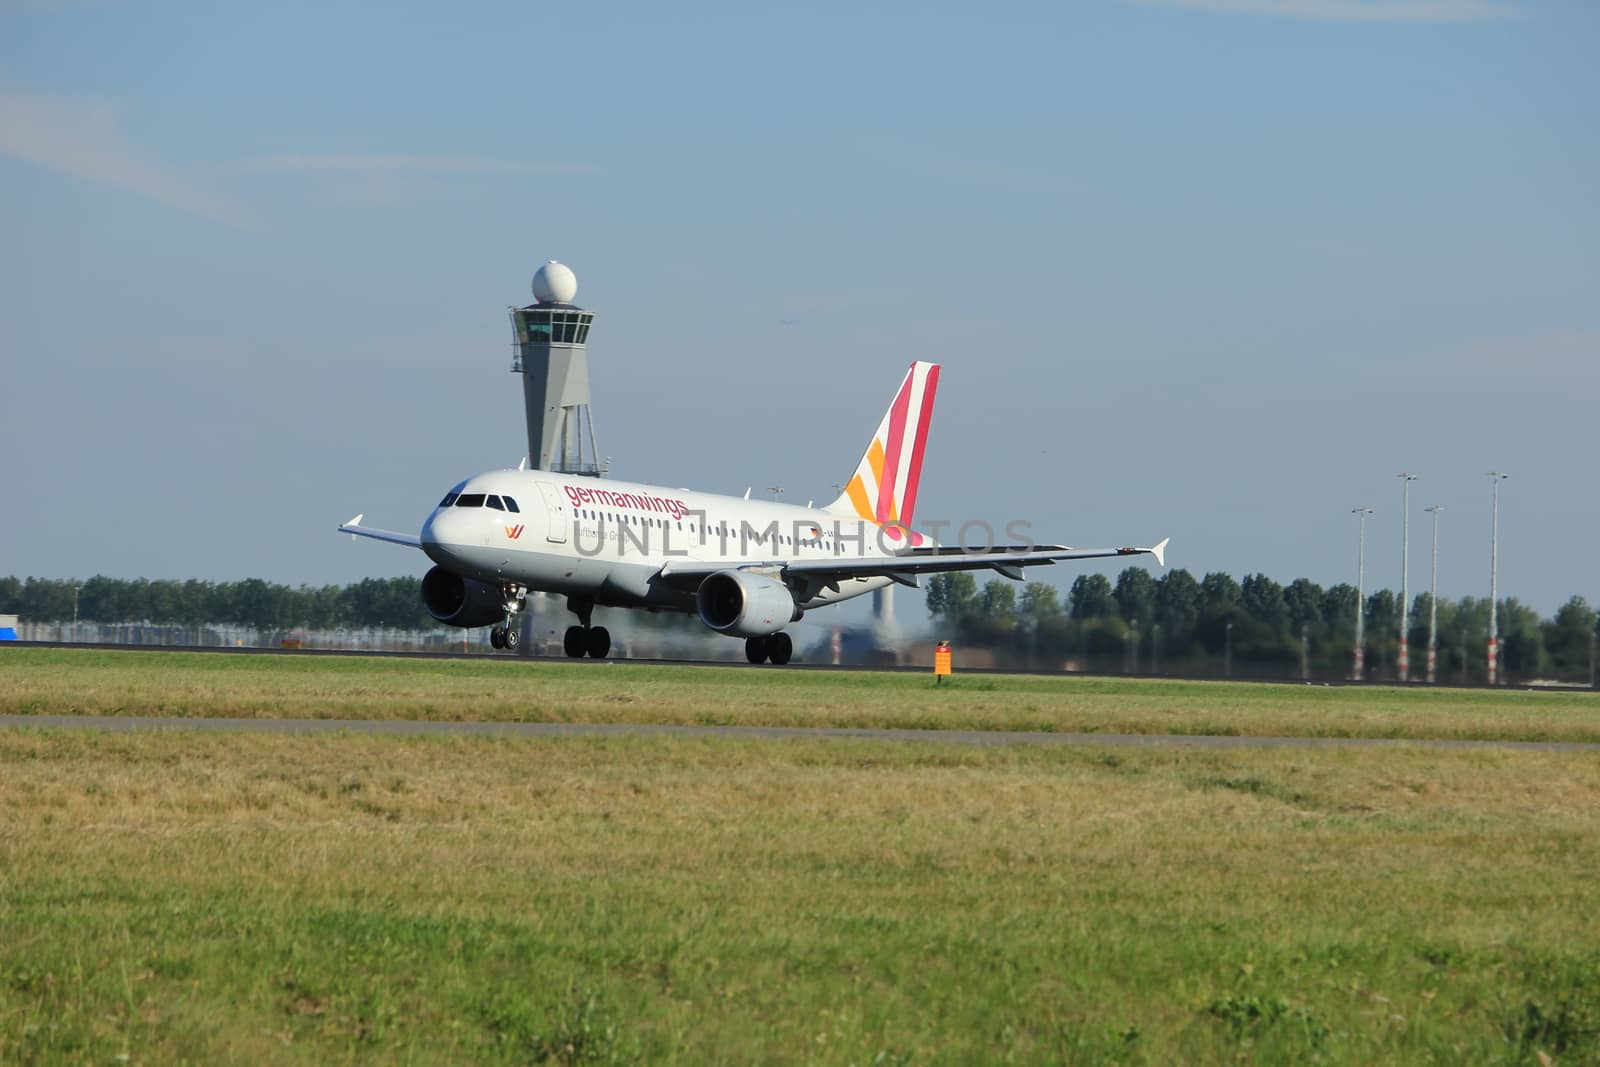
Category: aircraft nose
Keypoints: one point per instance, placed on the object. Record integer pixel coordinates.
(441, 532)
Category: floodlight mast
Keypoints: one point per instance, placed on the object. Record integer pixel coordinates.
(1405, 574)
(1360, 652)
(1495, 478)
(1433, 599)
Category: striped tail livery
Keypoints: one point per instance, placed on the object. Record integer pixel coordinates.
(883, 489)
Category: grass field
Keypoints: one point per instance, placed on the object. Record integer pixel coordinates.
(252, 898)
(96, 682)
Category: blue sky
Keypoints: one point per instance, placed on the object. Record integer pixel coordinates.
(1213, 269)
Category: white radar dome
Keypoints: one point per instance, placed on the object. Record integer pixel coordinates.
(554, 283)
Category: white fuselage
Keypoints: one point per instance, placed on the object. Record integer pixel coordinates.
(613, 542)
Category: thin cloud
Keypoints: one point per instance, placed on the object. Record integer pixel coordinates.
(357, 164)
(1551, 355)
(80, 137)
(1349, 10)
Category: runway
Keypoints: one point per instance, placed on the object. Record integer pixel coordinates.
(976, 738)
(915, 668)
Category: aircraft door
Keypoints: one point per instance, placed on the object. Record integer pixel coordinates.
(560, 512)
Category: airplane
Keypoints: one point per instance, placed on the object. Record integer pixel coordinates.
(747, 568)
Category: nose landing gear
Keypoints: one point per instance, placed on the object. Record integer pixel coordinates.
(509, 635)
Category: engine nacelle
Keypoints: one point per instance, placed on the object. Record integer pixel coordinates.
(458, 601)
(745, 605)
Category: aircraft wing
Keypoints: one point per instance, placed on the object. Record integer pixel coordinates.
(905, 568)
(355, 529)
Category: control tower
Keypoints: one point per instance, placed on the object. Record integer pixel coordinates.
(549, 339)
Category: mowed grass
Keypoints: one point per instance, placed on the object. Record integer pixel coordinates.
(246, 898)
(98, 682)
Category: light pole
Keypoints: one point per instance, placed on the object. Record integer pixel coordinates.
(1360, 653)
(1495, 478)
(1227, 650)
(1433, 599)
(1405, 575)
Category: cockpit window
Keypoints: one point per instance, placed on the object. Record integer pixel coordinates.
(511, 505)
(449, 498)
(494, 502)
(469, 500)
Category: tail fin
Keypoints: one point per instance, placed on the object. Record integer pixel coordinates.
(883, 489)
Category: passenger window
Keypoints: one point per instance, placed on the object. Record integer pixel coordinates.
(494, 502)
(511, 505)
(469, 500)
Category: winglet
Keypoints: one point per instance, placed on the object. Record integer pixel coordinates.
(1160, 552)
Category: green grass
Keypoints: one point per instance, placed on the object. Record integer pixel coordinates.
(251, 898)
(96, 682)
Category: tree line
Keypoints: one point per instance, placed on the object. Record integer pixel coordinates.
(1176, 624)
(1171, 624)
(265, 605)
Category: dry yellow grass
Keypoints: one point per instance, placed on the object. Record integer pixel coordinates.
(257, 898)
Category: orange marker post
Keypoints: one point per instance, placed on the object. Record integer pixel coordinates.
(941, 662)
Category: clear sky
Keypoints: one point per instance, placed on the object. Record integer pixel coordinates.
(1208, 269)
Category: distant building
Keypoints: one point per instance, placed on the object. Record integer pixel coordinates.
(8, 627)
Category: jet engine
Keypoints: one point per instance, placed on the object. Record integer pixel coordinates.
(458, 601)
(745, 605)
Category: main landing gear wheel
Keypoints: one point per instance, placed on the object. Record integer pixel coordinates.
(591, 641)
(775, 647)
(585, 639)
